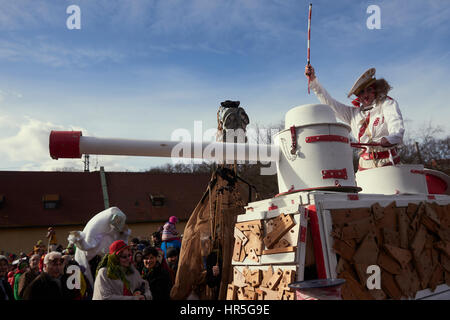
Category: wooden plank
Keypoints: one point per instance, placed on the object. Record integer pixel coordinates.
(288, 278)
(250, 294)
(256, 229)
(389, 264)
(283, 243)
(424, 267)
(391, 237)
(267, 275)
(389, 219)
(355, 287)
(240, 235)
(279, 250)
(238, 278)
(289, 295)
(402, 256)
(444, 234)
(255, 277)
(443, 246)
(261, 294)
(342, 216)
(275, 279)
(342, 265)
(361, 271)
(408, 282)
(254, 242)
(269, 294)
(403, 225)
(243, 254)
(245, 226)
(232, 292)
(411, 210)
(344, 249)
(419, 240)
(367, 252)
(377, 211)
(389, 286)
(287, 222)
(429, 223)
(431, 213)
(237, 250)
(357, 229)
(437, 277)
(253, 256)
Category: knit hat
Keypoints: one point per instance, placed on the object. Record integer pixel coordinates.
(117, 246)
(172, 252)
(173, 219)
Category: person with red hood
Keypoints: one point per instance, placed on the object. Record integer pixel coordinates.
(375, 117)
(117, 278)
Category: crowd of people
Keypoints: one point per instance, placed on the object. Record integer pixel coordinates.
(139, 270)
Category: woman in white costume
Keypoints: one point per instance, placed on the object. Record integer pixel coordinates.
(374, 119)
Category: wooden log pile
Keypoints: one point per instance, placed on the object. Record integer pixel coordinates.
(411, 245)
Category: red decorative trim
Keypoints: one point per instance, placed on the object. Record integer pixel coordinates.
(431, 197)
(317, 242)
(294, 140)
(302, 234)
(335, 174)
(65, 144)
(272, 207)
(326, 137)
(353, 197)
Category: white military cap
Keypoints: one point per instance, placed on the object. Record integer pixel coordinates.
(365, 80)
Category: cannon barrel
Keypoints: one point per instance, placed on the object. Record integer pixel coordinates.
(72, 144)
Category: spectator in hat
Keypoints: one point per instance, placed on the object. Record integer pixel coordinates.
(52, 241)
(50, 284)
(157, 277)
(117, 278)
(170, 236)
(170, 232)
(156, 238)
(22, 267)
(29, 275)
(6, 292)
(374, 119)
(138, 261)
(172, 259)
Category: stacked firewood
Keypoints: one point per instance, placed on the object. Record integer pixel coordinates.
(410, 245)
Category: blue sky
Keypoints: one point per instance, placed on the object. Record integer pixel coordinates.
(142, 69)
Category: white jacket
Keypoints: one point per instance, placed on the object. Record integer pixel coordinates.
(108, 289)
(385, 118)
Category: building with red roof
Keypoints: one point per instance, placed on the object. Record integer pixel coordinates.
(30, 202)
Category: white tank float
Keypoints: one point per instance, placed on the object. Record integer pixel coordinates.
(313, 152)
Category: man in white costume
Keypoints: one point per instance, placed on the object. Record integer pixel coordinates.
(99, 233)
(374, 119)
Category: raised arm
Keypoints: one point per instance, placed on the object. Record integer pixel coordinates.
(342, 111)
